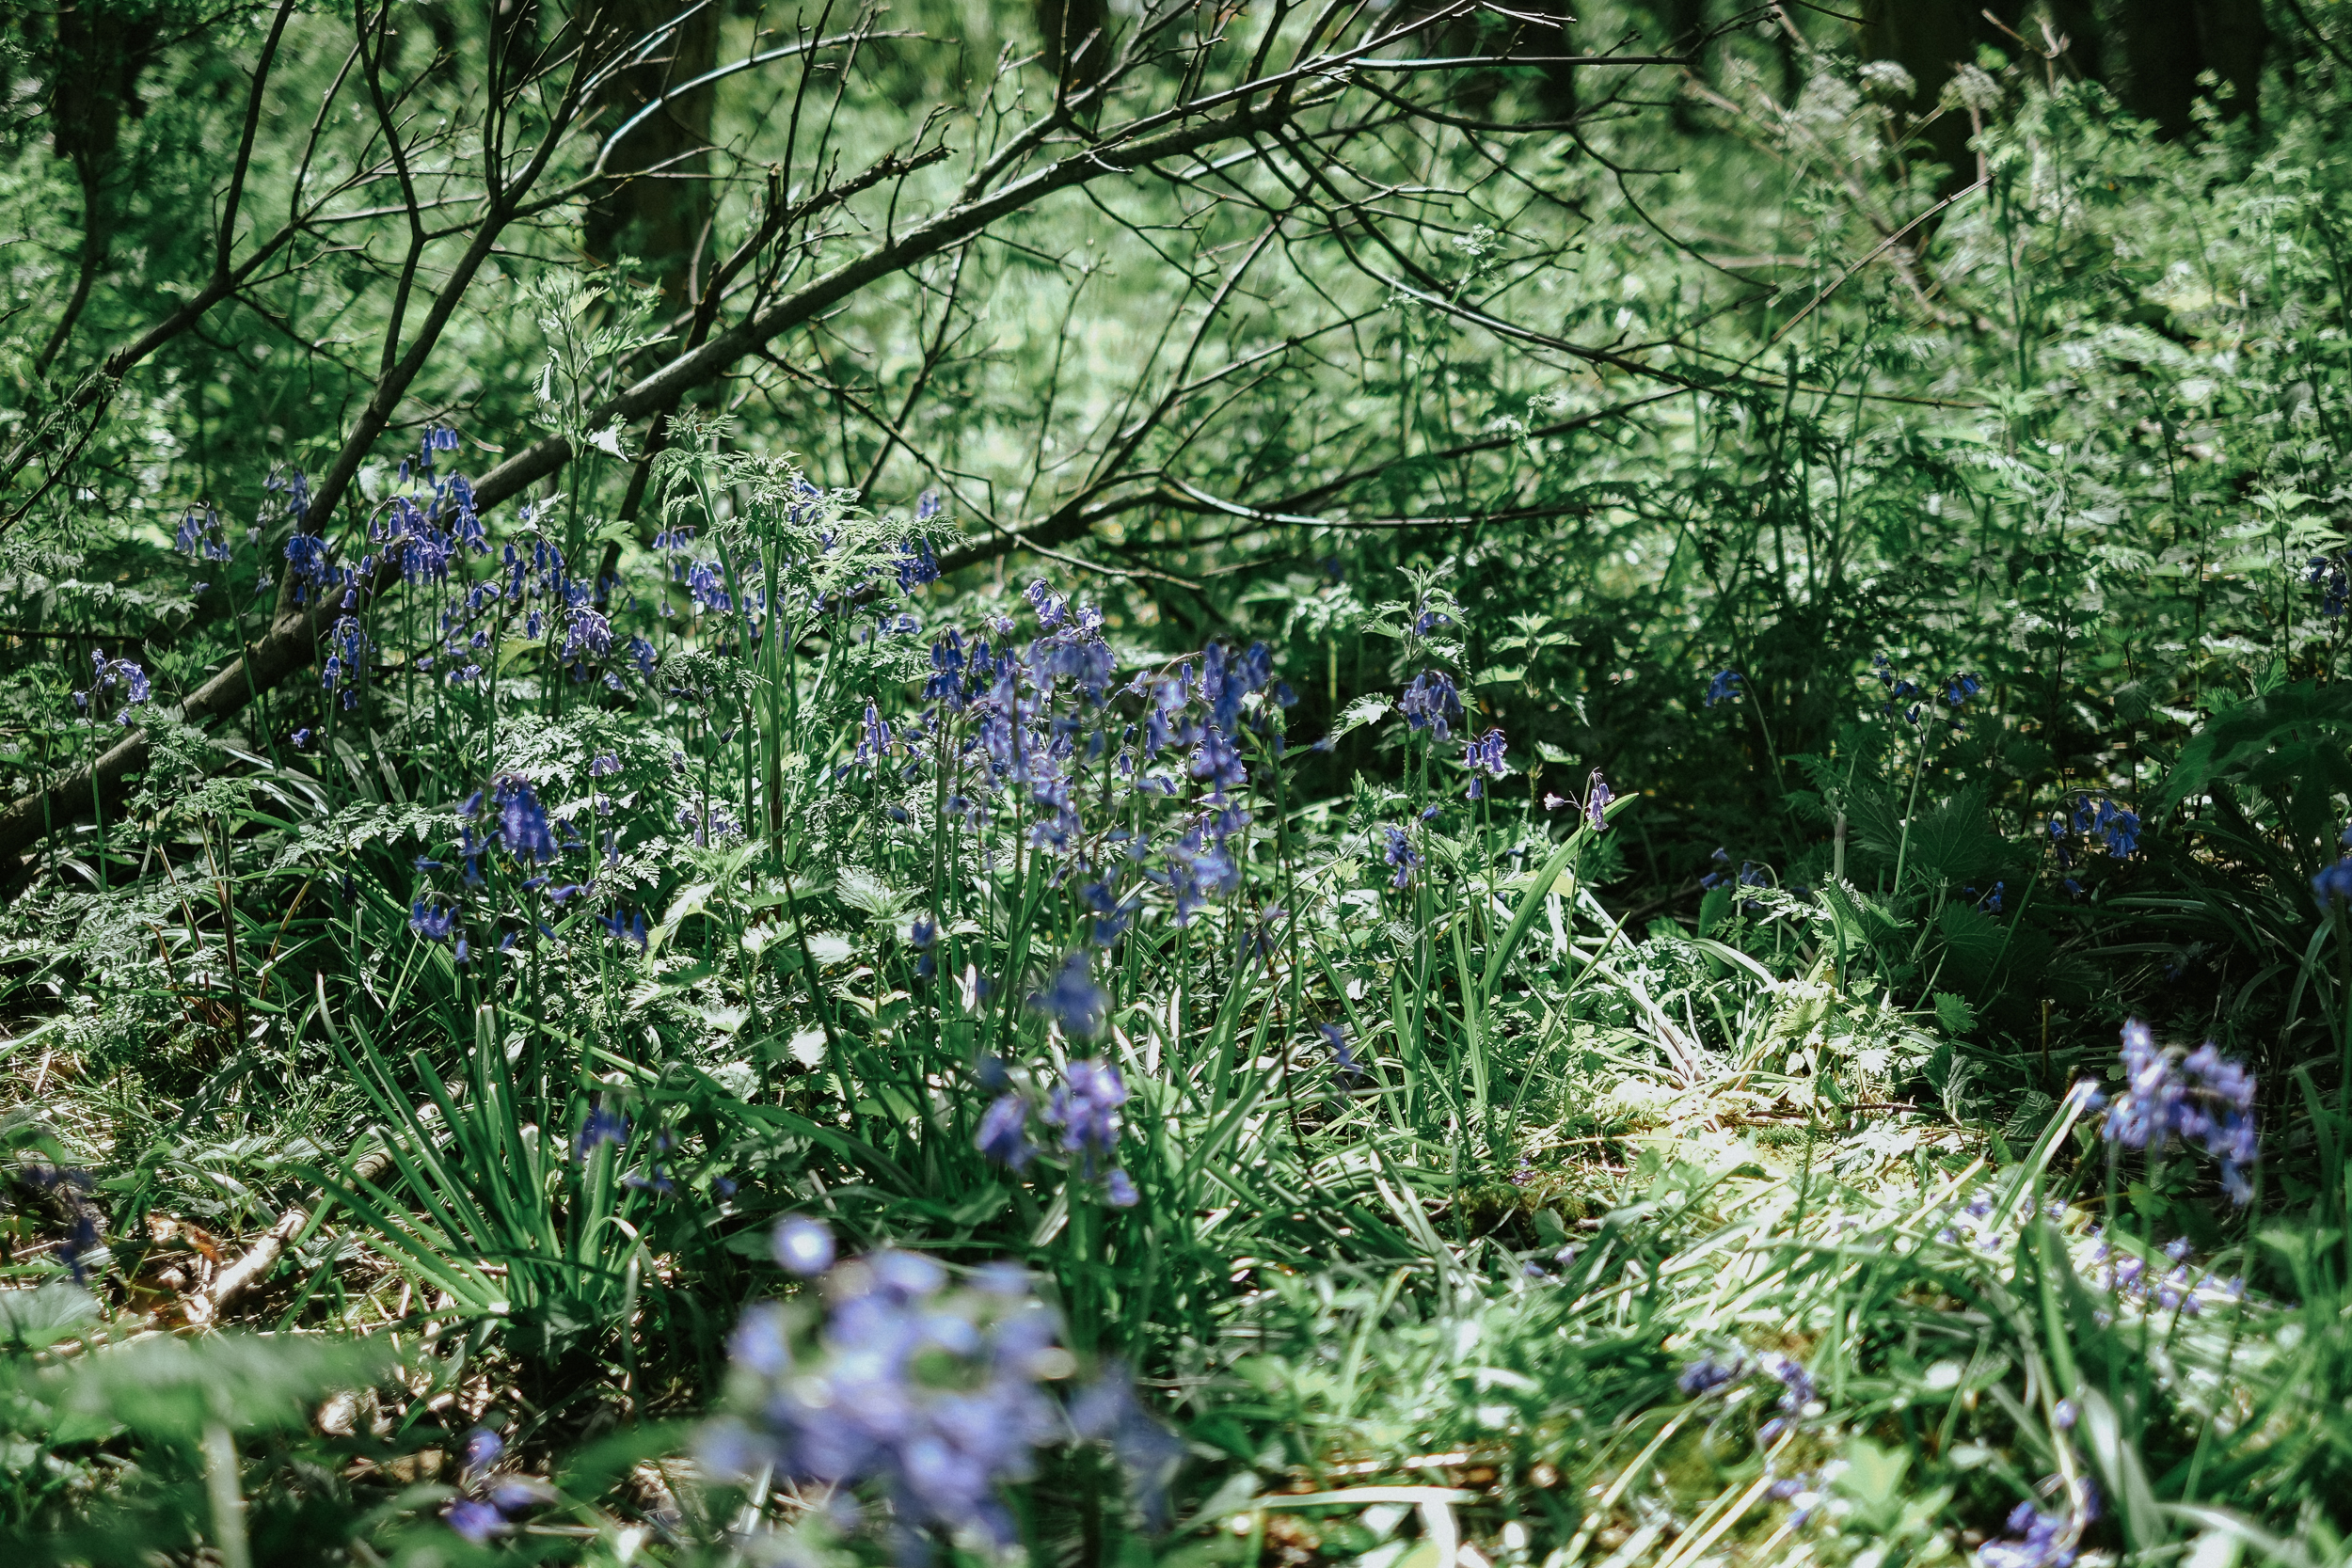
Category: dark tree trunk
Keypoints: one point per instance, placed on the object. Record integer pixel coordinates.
(1553, 38)
(98, 53)
(1930, 40)
(2166, 44)
(657, 207)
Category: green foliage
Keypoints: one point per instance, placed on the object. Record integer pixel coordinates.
(1461, 1128)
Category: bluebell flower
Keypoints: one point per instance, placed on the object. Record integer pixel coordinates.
(1051, 609)
(2202, 1098)
(1216, 763)
(476, 1520)
(306, 560)
(1107, 1410)
(1401, 855)
(523, 827)
(1118, 1190)
(803, 1245)
(1004, 1135)
(1226, 680)
(1341, 1058)
(705, 584)
(586, 635)
(481, 1449)
(1198, 872)
(918, 563)
(1074, 1000)
(2088, 816)
(935, 1396)
(1708, 1373)
(72, 1189)
(1484, 758)
(1429, 703)
(1724, 687)
(1112, 913)
(1597, 797)
(2119, 828)
(2038, 1540)
(1084, 1105)
(624, 926)
(603, 1125)
(2325, 573)
(873, 739)
(1796, 1383)
(201, 535)
(432, 924)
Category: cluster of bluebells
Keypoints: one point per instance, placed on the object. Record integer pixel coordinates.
(489, 1503)
(413, 538)
(2327, 572)
(418, 538)
(201, 535)
(1485, 761)
(107, 675)
(1431, 702)
(1038, 725)
(2093, 822)
(1081, 1116)
(2177, 1288)
(1750, 875)
(2038, 1539)
(937, 1396)
(1398, 852)
(508, 820)
(1974, 1225)
(1798, 1396)
(68, 1190)
(2199, 1098)
(918, 563)
(1724, 687)
(1073, 1000)
(1909, 699)
(2180, 1288)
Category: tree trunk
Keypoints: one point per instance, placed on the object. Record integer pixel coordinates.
(659, 203)
(1930, 40)
(2166, 44)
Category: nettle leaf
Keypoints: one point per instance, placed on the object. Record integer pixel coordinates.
(1973, 941)
(1362, 711)
(1955, 840)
